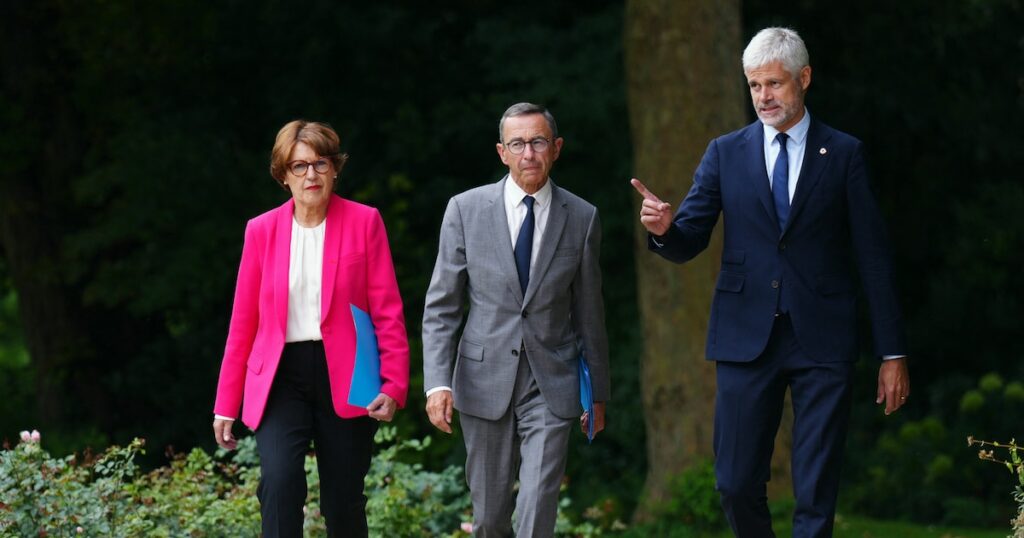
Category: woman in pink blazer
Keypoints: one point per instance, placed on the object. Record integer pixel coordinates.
(315, 283)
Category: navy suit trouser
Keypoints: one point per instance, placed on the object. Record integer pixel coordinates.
(748, 408)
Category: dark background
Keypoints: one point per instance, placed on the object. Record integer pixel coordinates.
(135, 145)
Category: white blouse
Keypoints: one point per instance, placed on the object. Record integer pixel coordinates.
(304, 279)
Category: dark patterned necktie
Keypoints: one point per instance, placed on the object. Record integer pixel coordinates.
(780, 182)
(524, 245)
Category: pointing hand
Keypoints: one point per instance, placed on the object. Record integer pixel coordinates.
(655, 214)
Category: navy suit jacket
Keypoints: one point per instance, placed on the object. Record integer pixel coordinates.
(834, 230)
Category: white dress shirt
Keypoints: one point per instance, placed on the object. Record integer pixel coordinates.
(796, 145)
(305, 272)
(515, 212)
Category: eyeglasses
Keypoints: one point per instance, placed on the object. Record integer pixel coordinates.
(320, 166)
(539, 145)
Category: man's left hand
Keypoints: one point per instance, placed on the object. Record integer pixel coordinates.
(598, 419)
(382, 407)
(893, 384)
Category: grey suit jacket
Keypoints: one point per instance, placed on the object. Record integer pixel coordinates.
(562, 308)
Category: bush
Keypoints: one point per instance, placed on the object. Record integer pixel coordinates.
(204, 496)
(916, 457)
(692, 510)
(1014, 463)
(200, 495)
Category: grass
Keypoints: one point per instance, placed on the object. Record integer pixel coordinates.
(862, 527)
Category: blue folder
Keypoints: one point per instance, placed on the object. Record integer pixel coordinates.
(587, 395)
(366, 370)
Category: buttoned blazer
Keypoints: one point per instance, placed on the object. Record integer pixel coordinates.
(835, 233)
(357, 270)
(561, 311)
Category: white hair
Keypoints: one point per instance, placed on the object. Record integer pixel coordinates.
(776, 45)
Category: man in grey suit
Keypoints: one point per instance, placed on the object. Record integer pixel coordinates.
(524, 254)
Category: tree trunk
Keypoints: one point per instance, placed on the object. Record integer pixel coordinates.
(40, 154)
(685, 87)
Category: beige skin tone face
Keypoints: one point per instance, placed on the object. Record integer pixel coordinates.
(311, 191)
(778, 97)
(529, 169)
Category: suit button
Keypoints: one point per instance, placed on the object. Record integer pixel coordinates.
(525, 313)
(782, 246)
(775, 283)
(515, 352)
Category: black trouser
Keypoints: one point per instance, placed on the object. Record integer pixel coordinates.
(300, 410)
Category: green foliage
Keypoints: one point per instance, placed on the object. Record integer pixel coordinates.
(142, 139)
(201, 495)
(1014, 463)
(170, 116)
(854, 526)
(916, 458)
(407, 500)
(16, 374)
(695, 500)
(692, 510)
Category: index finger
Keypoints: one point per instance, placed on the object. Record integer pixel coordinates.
(642, 189)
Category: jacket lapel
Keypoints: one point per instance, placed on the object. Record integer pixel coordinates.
(754, 152)
(332, 248)
(500, 239)
(810, 171)
(558, 213)
(282, 260)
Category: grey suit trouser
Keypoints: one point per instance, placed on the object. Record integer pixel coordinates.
(528, 438)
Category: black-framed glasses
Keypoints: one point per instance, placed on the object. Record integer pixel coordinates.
(320, 166)
(539, 145)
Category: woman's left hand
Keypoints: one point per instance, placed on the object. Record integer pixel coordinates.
(382, 407)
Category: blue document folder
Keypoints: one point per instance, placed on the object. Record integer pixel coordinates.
(366, 368)
(587, 395)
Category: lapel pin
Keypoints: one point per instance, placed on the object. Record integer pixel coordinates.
(822, 151)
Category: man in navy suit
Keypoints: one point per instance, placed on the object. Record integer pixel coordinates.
(799, 216)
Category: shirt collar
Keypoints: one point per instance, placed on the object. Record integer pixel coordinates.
(514, 195)
(797, 133)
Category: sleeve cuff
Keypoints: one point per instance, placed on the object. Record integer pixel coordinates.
(893, 357)
(438, 389)
(222, 417)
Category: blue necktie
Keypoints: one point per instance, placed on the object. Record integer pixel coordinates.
(780, 182)
(524, 245)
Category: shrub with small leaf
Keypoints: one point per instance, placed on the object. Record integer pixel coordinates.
(692, 508)
(909, 453)
(200, 495)
(1014, 462)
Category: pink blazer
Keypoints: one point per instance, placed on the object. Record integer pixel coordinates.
(357, 270)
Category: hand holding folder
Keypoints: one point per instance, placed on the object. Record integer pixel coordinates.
(586, 397)
(365, 388)
(366, 367)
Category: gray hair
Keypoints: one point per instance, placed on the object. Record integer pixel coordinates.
(776, 45)
(525, 109)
